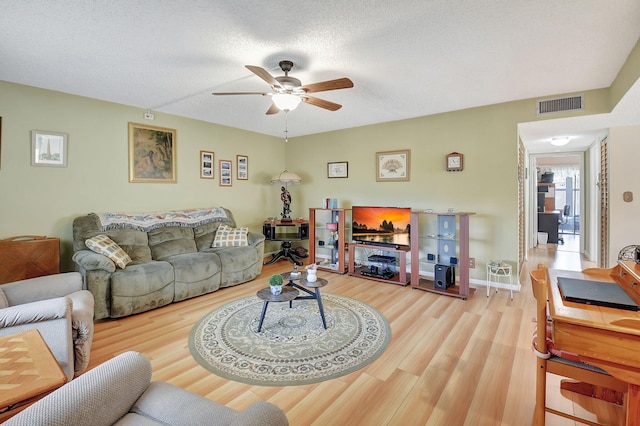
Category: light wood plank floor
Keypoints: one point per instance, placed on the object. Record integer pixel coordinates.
(450, 362)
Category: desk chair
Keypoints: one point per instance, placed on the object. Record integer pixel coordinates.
(592, 381)
(564, 217)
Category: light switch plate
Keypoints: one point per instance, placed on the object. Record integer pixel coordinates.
(627, 196)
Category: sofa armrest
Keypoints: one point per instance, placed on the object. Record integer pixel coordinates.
(42, 288)
(171, 405)
(92, 261)
(254, 238)
(35, 312)
(82, 328)
(98, 397)
(261, 413)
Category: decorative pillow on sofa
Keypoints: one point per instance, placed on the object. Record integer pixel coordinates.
(106, 246)
(230, 237)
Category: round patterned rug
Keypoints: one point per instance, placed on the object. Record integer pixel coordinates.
(292, 348)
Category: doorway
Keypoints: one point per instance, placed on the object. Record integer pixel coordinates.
(559, 180)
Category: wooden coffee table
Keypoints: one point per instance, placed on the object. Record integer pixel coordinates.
(287, 295)
(314, 295)
(28, 371)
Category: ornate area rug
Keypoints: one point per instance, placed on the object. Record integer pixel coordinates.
(292, 348)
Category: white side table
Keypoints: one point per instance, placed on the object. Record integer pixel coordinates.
(497, 270)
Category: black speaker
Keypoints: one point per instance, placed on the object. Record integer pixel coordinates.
(445, 276)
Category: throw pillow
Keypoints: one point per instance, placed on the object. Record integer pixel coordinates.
(106, 246)
(230, 237)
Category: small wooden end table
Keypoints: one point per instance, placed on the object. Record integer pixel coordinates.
(287, 295)
(28, 371)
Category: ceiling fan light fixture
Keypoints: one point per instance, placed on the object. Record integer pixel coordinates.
(561, 141)
(286, 101)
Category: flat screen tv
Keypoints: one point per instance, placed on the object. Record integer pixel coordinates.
(383, 226)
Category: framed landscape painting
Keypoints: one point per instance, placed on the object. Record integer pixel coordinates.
(152, 154)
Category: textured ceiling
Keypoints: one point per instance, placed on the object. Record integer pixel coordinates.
(406, 59)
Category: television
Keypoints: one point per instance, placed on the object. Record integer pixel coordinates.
(382, 226)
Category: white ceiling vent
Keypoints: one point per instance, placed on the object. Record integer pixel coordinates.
(549, 106)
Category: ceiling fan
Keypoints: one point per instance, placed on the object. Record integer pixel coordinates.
(288, 91)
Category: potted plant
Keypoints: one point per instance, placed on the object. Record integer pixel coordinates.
(275, 283)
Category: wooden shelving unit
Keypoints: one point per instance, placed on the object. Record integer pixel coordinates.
(445, 236)
(329, 252)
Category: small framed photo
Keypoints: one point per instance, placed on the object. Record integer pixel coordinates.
(338, 170)
(224, 168)
(393, 166)
(206, 164)
(48, 149)
(242, 167)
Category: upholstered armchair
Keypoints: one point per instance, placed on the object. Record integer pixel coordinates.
(58, 307)
(120, 392)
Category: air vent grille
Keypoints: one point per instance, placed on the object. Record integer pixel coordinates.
(549, 106)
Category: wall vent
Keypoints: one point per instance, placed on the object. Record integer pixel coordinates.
(550, 106)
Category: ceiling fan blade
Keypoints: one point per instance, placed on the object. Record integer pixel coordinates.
(263, 74)
(340, 83)
(273, 109)
(241, 93)
(331, 106)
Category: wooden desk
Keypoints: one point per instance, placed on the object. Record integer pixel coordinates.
(605, 337)
(28, 371)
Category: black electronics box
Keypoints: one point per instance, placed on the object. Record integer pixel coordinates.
(445, 276)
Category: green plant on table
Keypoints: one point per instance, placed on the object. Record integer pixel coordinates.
(276, 280)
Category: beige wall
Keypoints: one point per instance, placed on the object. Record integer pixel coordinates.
(624, 152)
(487, 137)
(44, 200)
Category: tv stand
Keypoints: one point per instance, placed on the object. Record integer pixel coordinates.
(380, 268)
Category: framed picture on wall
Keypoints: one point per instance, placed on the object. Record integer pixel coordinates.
(224, 168)
(48, 149)
(152, 154)
(242, 167)
(206, 164)
(393, 166)
(338, 170)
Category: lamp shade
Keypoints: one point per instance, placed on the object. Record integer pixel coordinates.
(559, 141)
(286, 177)
(286, 101)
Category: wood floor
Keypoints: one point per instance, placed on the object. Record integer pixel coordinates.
(449, 362)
